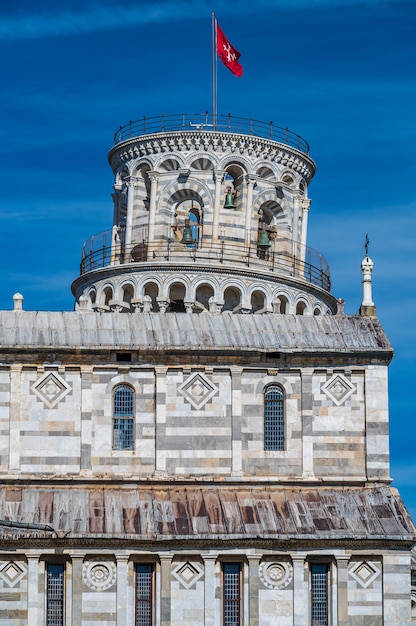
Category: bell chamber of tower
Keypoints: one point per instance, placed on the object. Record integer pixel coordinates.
(207, 218)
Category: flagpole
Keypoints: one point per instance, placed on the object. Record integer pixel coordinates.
(214, 72)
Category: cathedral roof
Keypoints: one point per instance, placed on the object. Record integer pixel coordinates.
(210, 512)
(265, 333)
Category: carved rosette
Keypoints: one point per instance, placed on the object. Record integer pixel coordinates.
(276, 574)
(99, 576)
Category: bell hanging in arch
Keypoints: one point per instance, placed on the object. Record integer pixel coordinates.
(187, 235)
(263, 241)
(229, 199)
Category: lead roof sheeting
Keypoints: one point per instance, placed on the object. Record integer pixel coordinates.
(206, 512)
(264, 332)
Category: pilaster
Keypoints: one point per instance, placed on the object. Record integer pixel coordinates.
(165, 593)
(236, 417)
(300, 590)
(123, 612)
(14, 417)
(77, 563)
(160, 454)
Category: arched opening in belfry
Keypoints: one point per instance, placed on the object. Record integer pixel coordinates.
(257, 301)
(232, 298)
(203, 294)
(143, 185)
(128, 293)
(269, 240)
(188, 218)
(271, 213)
(300, 308)
(177, 295)
(266, 173)
(151, 290)
(233, 186)
(282, 305)
(108, 295)
(121, 202)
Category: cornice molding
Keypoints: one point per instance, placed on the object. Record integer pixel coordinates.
(229, 143)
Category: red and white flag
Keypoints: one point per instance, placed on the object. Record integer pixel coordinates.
(228, 54)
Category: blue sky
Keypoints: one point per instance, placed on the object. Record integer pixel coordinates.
(341, 73)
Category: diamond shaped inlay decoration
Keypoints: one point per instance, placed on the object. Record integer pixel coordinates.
(187, 574)
(51, 389)
(12, 572)
(365, 573)
(198, 390)
(338, 389)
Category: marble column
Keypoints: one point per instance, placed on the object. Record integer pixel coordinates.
(218, 178)
(250, 180)
(129, 218)
(152, 207)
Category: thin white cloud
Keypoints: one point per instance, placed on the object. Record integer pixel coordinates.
(109, 16)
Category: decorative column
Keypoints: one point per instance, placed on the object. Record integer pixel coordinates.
(129, 218)
(218, 178)
(300, 590)
(295, 226)
(123, 614)
(35, 601)
(209, 589)
(342, 592)
(305, 205)
(160, 417)
(250, 180)
(14, 417)
(165, 595)
(253, 589)
(236, 417)
(152, 206)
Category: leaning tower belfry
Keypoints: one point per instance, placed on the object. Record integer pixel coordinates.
(229, 205)
(204, 439)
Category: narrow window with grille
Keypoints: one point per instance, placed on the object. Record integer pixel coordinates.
(144, 594)
(54, 594)
(274, 426)
(319, 594)
(231, 592)
(123, 418)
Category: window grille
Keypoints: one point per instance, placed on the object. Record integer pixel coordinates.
(274, 438)
(319, 594)
(231, 594)
(123, 418)
(144, 595)
(55, 595)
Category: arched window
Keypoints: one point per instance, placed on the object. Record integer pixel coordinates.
(123, 418)
(274, 424)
